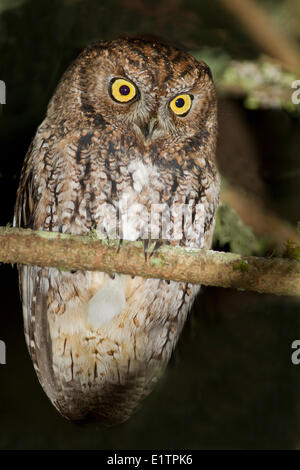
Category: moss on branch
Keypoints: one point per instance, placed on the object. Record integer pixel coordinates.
(72, 252)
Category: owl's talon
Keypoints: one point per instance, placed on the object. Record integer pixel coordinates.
(146, 247)
(120, 244)
(156, 248)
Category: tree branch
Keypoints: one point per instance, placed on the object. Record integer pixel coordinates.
(262, 30)
(71, 252)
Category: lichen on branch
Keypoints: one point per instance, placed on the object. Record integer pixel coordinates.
(73, 252)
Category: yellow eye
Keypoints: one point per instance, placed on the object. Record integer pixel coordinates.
(122, 90)
(181, 104)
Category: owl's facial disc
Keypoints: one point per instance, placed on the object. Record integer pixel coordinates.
(142, 107)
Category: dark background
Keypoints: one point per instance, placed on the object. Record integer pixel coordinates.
(230, 383)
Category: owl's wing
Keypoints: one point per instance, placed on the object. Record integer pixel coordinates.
(25, 203)
(33, 284)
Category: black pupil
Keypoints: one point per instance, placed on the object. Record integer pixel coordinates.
(179, 102)
(124, 90)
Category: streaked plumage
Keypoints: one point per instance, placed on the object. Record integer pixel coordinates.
(99, 343)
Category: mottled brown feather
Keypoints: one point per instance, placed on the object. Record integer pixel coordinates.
(90, 152)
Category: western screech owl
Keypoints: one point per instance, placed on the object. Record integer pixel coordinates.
(130, 131)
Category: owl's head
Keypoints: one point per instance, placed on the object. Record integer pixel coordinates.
(143, 84)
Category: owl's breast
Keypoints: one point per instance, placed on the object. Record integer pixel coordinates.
(157, 202)
(138, 199)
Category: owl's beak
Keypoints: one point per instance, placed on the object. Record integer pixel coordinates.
(148, 128)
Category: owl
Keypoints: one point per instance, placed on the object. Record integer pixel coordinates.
(131, 127)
